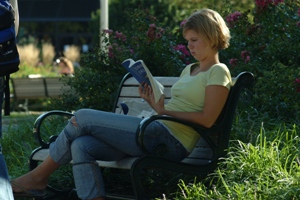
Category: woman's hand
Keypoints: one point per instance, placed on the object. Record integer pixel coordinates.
(146, 93)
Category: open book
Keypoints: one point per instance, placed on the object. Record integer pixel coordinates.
(141, 73)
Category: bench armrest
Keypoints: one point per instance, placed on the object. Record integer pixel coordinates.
(38, 123)
(202, 131)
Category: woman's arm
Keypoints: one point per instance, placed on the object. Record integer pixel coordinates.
(215, 99)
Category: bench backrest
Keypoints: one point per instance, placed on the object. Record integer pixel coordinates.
(128, 89)
(54, 86)
(30, 88)
(217, 137)
(33, 88)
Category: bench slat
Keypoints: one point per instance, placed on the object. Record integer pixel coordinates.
(125, 163)
(55, 87)
(33, 88)
(169, 81)
(28, 88)
(132, 92)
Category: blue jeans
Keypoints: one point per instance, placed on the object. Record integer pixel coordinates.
(107, 136)
(5, 187)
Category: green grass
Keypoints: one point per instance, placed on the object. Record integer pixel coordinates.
(24, 71)
(18, 141)
(267, 169)
(265, 165)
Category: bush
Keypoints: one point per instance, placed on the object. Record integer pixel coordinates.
(266, 42)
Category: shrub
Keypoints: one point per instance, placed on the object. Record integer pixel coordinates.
(267, 44)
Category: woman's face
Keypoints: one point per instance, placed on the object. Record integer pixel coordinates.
(198, 47)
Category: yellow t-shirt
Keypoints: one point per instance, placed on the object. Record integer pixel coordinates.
(188, 95)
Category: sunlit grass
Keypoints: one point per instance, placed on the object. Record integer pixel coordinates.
(267, 169)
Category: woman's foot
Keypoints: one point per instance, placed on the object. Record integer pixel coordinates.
(28, 182)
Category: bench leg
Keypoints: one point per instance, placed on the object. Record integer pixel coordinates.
(136, 174)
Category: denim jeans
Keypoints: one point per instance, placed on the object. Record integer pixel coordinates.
(5, 187)
(107, 136)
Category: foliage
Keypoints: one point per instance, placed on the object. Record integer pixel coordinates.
(97, 80)
(267, 169)
(168, 12)
(267, 45)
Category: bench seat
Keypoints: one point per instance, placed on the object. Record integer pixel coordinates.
(125, 163)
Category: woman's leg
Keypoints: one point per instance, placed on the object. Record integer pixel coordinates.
(37, 178)
(114, 129)
(60, 152)
(117, 131)
(112, 138)
(87, 174)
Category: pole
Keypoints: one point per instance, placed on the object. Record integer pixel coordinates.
(103, 18)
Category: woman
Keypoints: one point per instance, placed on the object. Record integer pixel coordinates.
(198, 96)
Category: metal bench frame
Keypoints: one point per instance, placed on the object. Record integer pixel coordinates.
(217, 137)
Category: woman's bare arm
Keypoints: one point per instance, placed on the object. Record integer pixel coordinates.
(215, 99)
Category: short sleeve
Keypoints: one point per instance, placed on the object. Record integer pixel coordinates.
(219, 75)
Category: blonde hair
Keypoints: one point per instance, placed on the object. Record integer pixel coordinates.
(210, 25)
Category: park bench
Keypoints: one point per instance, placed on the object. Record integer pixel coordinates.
(202, 160)
(35, 88)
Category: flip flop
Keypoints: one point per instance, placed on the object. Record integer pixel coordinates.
(27, 193)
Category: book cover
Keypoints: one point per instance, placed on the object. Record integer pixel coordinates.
(137, 70)
(141, 73)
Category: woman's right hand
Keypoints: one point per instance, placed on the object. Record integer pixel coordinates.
(146, 93)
